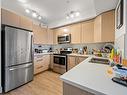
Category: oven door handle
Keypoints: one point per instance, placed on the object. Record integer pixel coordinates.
(59, 56)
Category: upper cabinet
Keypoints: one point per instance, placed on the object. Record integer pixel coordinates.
(99, 29)
(87, 34)
(40, 35)
(104, 27)
(10, 18)
(50, 36)
(75, 31)
(26, 23)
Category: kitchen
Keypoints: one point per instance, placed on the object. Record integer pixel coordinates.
(63, 47)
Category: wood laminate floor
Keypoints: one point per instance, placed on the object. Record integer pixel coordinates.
(46, 83)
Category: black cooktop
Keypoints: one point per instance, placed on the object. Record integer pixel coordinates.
(63, 53)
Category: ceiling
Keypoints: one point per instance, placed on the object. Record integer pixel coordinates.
(54, 11)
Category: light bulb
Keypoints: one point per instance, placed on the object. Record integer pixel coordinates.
(67, 17)
(27, 11)
(72, 16)
(34, 14)
(77, 14)
(39, 17)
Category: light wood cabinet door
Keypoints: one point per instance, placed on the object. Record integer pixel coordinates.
(50, 36)
(44, 39)
(87, 35)
(46, 60)
(41, 64)
(108, 26)
(75, 33)
(10, 18)
(54, 36)
(104, 27)
(40, 35)
(80, 59)
(51, 61)
(71, 62)
(97, 29)
(36, 34)
(26, 23)
(73, 90)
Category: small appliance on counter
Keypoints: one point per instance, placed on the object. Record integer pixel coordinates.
(75, 50)
(120, 75)
(85, 51)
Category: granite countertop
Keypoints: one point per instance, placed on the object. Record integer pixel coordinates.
(94, 78)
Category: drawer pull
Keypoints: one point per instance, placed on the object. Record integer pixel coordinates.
(40, 60)
(40, 67)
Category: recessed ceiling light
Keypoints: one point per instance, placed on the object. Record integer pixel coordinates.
(22, 1)
(39, 17)
(27, 11)
(34, 14)
(77, 14)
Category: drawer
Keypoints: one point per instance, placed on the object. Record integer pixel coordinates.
(40, 68)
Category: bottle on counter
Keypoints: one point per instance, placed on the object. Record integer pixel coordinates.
(85, 51)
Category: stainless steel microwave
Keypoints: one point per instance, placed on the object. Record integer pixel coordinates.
(63, 39)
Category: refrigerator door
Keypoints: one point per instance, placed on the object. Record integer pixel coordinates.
(18, 46)
(18, 75)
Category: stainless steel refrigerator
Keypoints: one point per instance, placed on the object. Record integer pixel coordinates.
(17, 57)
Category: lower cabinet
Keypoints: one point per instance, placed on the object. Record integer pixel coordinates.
(51, 62)
(71, 62)
(41, 64)
(72, 90)
(74, 60)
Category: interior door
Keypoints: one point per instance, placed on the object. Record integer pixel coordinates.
(18, 46)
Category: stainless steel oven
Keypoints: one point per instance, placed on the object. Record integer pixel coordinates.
(60, 63)
(66, 38)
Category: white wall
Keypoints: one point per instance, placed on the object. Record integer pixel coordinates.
(120, 37)
(126, 33)
(126, 46)
(0, 48)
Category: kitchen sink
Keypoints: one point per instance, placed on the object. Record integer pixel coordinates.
(100, 61)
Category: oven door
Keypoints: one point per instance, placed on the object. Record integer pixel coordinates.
(60, 60)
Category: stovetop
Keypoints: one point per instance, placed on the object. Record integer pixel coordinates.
(63, 52)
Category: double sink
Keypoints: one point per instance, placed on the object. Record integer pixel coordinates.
(100, 61)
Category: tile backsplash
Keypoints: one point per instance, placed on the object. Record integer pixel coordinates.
(90, 46)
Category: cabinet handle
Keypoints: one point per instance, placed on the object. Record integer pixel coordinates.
(40, 67)
(39, 60)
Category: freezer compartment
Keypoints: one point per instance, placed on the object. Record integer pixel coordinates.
(18, 75)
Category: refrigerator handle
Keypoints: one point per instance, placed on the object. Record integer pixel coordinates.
(20, 67)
